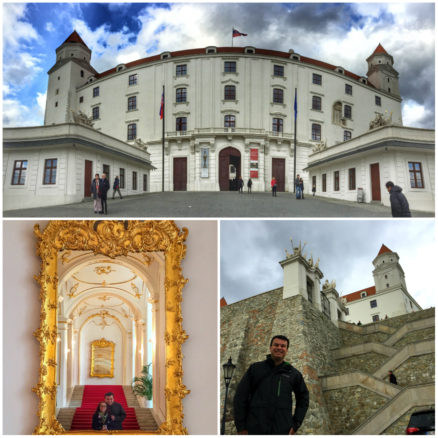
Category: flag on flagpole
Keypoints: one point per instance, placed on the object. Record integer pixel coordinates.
(162, 107)
(236, 33)
(295, 104)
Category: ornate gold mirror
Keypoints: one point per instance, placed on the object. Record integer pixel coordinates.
(111, 296)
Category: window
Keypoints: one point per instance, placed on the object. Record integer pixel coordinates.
(387, 284)
(230, 66)
(376, 318)
(347, 111)
(81, 99)
(277, 125)
(316, 131)
(50, 171)
(95, 113)
(134, 180)
(132, 80)
(278, 70)
(181, 123)
(416, 175)
(278, 95)
(56, 104)
(145, 183)
(95, 91)
(309, 290)
(181, 94)
(181, 70)
(352, 179)
(347, 135)
(313, 182)
(230, 92)
(363, 294)
(378, 101)
(132, 131)
(317, 79)
(316, 103)
(57, 91)
(132, 103)
(122, 178)
(386, 277)
(229, 121)
(19, 173)
(373, 303)
(349, 89)
(106, 171)
(336, 181)
(324, 182)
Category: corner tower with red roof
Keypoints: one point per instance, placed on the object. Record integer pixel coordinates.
(381, 72)
(388, 297)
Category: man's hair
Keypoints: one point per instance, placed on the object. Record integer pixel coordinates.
(389, 184)
(109, 394)
(283, 338)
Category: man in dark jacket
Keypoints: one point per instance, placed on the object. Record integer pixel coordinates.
(399, 203)
(115, 411)
(105, 186)
(263, 400)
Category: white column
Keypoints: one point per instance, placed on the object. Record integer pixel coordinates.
(61, 346)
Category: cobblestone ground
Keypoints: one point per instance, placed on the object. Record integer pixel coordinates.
(215, 204)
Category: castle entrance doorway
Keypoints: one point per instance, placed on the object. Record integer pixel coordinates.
(375, 182)
(229, 168)
(278, 170)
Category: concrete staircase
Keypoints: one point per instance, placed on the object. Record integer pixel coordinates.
(65, 415)
(145, 418)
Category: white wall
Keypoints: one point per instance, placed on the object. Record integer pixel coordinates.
(21, 306)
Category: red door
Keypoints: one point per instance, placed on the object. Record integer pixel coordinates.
(278, 170)
(88, 176)
(375, 182)
(180, 174)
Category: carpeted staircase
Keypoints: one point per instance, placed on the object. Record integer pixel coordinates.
(93, 394)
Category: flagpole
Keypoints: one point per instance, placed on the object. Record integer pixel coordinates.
(295, 137)
(162, 142)
(232, 39)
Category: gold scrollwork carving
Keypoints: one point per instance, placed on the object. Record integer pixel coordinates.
(111, 239)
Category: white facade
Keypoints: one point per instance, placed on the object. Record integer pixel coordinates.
(72, 146)
(388, 298)
(130, 95)
(389, 148)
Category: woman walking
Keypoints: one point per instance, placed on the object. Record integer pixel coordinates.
(274, 186)
(96, 193)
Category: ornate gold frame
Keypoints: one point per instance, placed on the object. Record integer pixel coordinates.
(112, 239)
(99, 344)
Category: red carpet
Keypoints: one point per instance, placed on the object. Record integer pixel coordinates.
(93, 394)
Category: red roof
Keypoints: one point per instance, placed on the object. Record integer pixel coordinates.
(201, 51)
(380, 49)
(356, 295)
(223, 302)
(75, 38)
(384, 249)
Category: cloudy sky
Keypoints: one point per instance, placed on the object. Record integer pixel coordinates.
(342, 34)
(251, 250)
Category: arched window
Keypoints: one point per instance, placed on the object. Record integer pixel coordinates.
(230, 92)
(316, 103)
(337, 113)
(316, 132)
(229, 121)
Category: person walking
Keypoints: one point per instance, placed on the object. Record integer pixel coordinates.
(274, 186)
(116, 187)
(249, 185)
(96, 194)
(392, 378)
(240, 182)
(399, 203)
(314, 189)
(263, 399)
(105, 186)
(297, 187)
(302, 188)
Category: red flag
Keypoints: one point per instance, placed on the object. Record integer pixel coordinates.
(236, 33)
(162, 107)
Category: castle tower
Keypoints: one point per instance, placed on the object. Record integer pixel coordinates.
(301, 277)
(388, 274)
(71, 70)
(381, 73)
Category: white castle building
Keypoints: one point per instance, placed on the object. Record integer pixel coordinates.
(229, 112)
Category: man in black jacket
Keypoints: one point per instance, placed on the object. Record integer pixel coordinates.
(115, 411)
(105, 186)
(263, 400)
(399, 203)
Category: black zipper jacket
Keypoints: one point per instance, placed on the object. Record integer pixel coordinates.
(263, 399)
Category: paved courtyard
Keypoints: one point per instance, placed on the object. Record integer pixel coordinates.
(215, 204)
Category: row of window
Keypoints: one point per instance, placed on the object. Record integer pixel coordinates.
(49, 176)
(415, 175)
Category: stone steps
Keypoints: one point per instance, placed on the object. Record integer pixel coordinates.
(76, 398)
(65, 417)
(131, 398)
(145, 419)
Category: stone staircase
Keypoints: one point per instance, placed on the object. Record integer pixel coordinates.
(145, 418)
(65, 415)
(358, 396)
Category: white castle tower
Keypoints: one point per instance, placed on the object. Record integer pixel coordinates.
(381, 73)
(71, 70)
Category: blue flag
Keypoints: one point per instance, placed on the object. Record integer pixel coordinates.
(295, 104)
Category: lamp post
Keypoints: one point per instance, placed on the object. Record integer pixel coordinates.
(229, 368)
